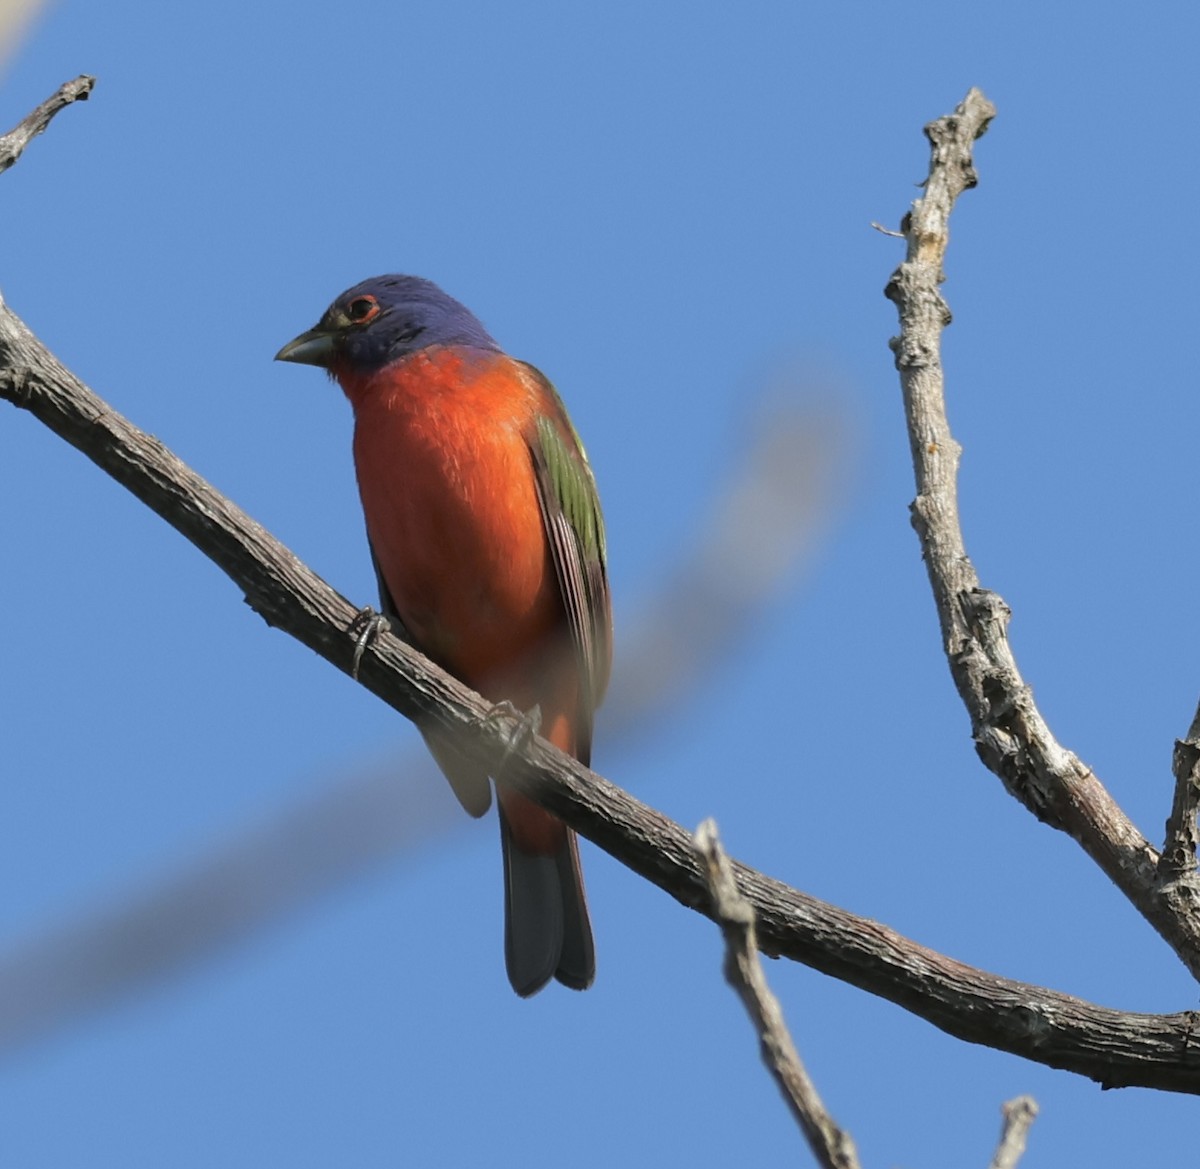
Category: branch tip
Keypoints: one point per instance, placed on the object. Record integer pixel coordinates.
(12, 144)
(1019, 1115)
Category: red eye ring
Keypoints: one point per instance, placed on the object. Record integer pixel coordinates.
(362, 309)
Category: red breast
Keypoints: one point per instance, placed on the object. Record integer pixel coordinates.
(441, 450)
(451, 505)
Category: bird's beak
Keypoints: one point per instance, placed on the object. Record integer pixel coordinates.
(312, 348)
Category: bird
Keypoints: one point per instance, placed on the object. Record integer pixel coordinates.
(484, 526)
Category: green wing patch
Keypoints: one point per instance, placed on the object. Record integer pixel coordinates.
(575, 528)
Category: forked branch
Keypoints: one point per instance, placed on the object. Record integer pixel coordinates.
(1011, 736)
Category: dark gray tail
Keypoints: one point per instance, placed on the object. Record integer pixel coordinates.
(547, 933)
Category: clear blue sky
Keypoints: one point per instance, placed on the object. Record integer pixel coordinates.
(660, 205)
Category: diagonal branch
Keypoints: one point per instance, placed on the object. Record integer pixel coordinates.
(1011, 736)
(1113, 1047)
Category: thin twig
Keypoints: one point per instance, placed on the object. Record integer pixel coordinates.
(1019, 1115)
(832, 1146)
(13, 144)
(1011, 736)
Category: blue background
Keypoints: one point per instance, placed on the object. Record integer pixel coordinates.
(666, 207)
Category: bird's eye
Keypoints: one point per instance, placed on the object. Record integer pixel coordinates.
(362, 309)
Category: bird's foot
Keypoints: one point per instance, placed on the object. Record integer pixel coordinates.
(366, 626)
(517, 726)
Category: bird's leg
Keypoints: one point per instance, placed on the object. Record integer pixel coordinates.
(517, 727)
(366, 626)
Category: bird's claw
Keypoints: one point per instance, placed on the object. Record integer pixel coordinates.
(517, 726)
(368, 625)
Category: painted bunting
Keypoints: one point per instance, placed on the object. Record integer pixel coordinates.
(485, 529)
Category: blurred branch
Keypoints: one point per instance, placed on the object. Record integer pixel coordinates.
(765, 522)
(16, 17)
(1019, 1115)
(236, 889)
(242, 885)
(1011, 736)
(1047, 1027)
(832, 1146)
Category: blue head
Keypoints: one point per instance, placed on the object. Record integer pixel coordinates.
(383, 319)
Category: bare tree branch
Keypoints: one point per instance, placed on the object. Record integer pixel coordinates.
(12, 144)
(1019, 1115)
(1010, 734)
(1112, 1047)
(832, 1146)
